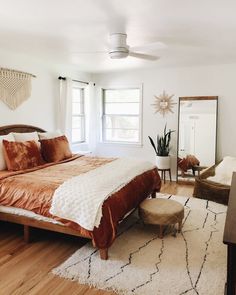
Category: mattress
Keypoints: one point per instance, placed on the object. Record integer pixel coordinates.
(30, 214)
(27, 213)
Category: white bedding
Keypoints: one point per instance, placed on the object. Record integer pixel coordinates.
(80, 198)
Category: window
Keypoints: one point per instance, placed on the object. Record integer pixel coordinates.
(121, 118)
(78, 114)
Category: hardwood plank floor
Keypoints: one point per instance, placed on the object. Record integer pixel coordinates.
(25, 268)
(175, 188)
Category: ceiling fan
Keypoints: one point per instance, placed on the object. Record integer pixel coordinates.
(119, 48)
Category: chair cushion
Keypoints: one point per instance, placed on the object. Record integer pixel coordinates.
(224, 171)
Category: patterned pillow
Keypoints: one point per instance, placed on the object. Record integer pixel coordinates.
(55, 149)
(21, 155)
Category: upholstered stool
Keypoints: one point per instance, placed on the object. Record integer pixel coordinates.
(161, 212)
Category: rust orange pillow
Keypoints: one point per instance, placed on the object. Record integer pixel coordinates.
(55, 149)
(21, 155)
(183, 164)
(192, 160)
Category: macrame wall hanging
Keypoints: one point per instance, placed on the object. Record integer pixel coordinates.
(15, 87)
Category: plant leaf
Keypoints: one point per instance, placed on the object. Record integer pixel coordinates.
(165, 129)
(153, 144)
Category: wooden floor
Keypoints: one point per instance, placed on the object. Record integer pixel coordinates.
(25, 268)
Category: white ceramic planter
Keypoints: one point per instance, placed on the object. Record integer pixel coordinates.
(163, 162)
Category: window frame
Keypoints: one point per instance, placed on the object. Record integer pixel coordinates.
(81, 115)
(140, 117)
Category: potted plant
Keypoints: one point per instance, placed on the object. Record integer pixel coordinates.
(162, 149)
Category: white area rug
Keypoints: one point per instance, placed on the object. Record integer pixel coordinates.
(193, 262)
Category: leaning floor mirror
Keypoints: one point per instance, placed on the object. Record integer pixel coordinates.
(197, 131)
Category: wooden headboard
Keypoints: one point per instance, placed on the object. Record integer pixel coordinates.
(20, 128)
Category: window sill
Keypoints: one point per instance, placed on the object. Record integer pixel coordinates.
(83, 152)
(121, 144)
(83, 146)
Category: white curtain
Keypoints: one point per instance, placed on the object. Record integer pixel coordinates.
(65, 107)
(92, 122)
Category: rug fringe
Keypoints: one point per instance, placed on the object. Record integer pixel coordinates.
(89, 283)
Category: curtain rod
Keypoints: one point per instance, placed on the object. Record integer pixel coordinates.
(74, 80)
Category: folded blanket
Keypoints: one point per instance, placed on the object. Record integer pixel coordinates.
(80, 198)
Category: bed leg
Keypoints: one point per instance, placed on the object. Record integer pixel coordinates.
(153, 194)
(26, 233)
(94, 245)
(103, 253)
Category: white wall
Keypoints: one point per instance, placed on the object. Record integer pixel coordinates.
(41, 108)
(190, 81)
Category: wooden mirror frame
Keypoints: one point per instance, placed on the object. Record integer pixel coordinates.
(186, 98)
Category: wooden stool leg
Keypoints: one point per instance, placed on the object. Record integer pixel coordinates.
(170, 174)
(26, 233)
(164, 176)
(180, 225)
(153, 195)
(160, 231)
(103, 253)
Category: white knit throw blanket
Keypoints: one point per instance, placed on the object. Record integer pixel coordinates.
(80, 198)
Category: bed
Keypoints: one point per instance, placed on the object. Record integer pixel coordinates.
(25, 197)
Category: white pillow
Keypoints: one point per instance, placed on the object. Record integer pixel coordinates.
(8, 137)
(26, 136)
(50, 134)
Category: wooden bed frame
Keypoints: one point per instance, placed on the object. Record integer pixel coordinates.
(28, 222)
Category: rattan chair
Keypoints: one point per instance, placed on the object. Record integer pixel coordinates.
(209, 190)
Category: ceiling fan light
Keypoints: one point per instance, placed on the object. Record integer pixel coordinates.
(120, 52)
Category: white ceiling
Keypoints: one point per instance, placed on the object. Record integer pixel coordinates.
(195, 31)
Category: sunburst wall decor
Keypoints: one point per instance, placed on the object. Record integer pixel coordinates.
(164, 103)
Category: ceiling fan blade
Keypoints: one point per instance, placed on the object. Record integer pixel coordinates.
(149, 47)
(89, 52)
(144, 56)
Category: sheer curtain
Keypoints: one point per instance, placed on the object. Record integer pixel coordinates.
(65, 107)
(65, 114)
